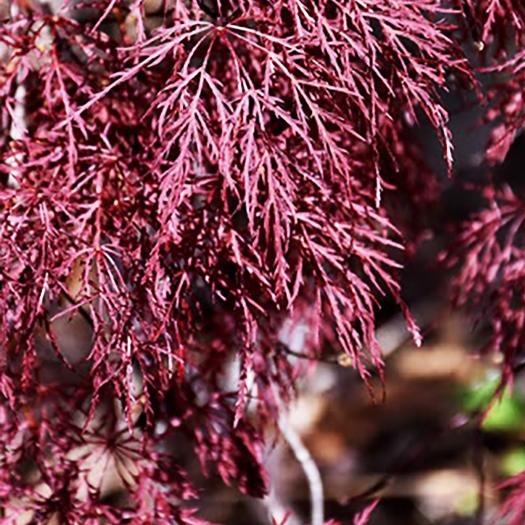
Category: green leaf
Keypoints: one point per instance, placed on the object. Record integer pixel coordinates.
(513, 461)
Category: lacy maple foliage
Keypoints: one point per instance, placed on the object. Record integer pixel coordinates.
(200, 195)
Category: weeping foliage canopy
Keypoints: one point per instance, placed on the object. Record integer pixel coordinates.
(206, 189)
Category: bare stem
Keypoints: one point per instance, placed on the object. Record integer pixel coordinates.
(309, 467)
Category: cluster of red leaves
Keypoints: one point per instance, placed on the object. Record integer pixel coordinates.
(498, 28)
(507, 105)
(494, 239)
(494, 22)
(513, 507)
(489, 250)
(200, 197)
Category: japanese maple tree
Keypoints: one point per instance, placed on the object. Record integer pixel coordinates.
(201, 187)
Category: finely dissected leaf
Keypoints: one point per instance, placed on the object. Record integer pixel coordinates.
(493, 240)
(202, 195)
(363, 517)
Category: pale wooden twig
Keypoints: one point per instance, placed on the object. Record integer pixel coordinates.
(310, 469)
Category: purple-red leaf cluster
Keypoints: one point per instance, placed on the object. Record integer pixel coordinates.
(188, 201)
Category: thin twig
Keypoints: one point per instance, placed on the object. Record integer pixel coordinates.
(309, 467)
